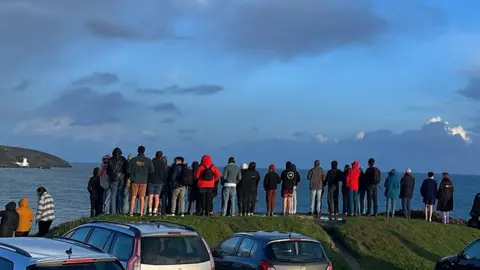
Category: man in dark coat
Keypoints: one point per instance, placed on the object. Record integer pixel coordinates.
(96, 193)
(407, 185)
(334, 176)
(10, 220)
(475, 213)
(445, 197)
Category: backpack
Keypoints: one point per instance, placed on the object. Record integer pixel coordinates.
(377, 177)
(208, 174)
(186, 176)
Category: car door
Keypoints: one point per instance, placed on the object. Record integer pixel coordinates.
(122, 247)
(226, 252)
(99, 237)
(244, 258)
(469, 258)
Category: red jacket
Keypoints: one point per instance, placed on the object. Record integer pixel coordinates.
(353, 177)
(206, 163)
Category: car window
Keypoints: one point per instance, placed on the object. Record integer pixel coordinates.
(295, 251)
(122, 247)
(253, 250)
(99, 237)
(245, 247)
(172, 250)
(81, 234)
(229, 245)
(6, 264)
(473, 250)
(78, 266)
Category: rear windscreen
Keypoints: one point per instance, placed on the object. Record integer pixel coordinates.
(168, 250)
(295, 251)
(80, 266)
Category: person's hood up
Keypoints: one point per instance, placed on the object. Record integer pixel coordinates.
(252, 166)
(164, 161)
(206, 161)
(130, 156)
(116, 152)
(334, 165)
(294, 167)
(195, 165)
(355, 165)
(392, 172)
(96, 171)
(11, 206)
(23, 202)
(316, 163)
(288, 165)
(244, 166)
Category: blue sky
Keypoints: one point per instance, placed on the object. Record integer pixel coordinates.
(191, 77)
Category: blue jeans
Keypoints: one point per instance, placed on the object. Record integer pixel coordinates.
(362, 194)
(352, 202)
(113, 197)
(229, 195)
(165, 197)
(107, 197)
(121, 199)
(316, 196)
(126, 200)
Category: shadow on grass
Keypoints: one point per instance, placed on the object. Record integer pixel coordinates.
(415, 248)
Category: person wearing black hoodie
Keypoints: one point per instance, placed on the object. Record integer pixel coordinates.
(407, 186)
(156, 182)
(117, 176)
(249, 184)
(334, 176)
(10, 220)
(373, 176)
(445, 197)
(474, 222)
(345, 190)
(96, 193)
(288, 178)
(270, 183)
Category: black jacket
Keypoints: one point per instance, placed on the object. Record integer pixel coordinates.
(334, 176)
(363, 181)
(289, 177)
(407, 186)
(117, 167)
(250, 180)
(94, 188)
(271, 181)
(9, 220)
(445, 195)
(175, 175)
(475, 211)
(372, 176)
(160, 173)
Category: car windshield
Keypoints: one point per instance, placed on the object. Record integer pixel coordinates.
(169, 250)
(79, 266)
(295, 251)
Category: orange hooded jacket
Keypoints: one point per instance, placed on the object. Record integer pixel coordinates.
(25, 214)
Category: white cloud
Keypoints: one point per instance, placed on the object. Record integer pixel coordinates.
(459, 130)
(434, 119)
(321, 138)
(360, 135)
(148, 132)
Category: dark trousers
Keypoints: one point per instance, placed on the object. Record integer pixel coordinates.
(206, 195)
(345, 200)
(246, 203)
(44, 227)
(22, 234)
(406, 207)
(333, 200)
(239, 199)
(362, 193)
(271, 194)
(253, 202)
(372, 198)
(96, 207)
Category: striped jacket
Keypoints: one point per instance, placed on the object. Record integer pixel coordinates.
(46, 208)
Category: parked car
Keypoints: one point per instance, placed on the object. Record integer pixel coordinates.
(468, 258)
(35, 253)
(149, 245)
(270, 251)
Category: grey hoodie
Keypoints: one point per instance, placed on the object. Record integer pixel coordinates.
(231, 175)
(316, 177)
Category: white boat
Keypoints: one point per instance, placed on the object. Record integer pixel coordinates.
(23, 164)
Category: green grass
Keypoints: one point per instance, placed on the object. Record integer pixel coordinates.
(215, 229)
(380, 243)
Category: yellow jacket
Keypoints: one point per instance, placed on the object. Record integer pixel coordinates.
(25, 214)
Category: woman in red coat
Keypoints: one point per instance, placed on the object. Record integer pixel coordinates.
(353, 177)
(207, 174)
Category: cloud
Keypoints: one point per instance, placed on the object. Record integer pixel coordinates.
(22, 86)
(108, 29)
(200, 90)
(360, 135)
(166, 107)
(167, 120)
(321, 138)
(472, 89)
(97, 79)
(187, 130)
(254, 130)
(147, 132)
(435, 119)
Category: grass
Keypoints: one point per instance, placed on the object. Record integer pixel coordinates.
(380, 243)
(215, 229)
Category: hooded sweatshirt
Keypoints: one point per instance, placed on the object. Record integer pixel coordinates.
(288, 177)
(25, 214)
(160, 173)
(407, 184)
(445, 195)
(9, 220)
(204, 165)
(231, 175)
(392, 185)
(139, 168)
(250, 179)
(117, 167)
(94, 187)
(334, 176)
(271, 179)
(353, 177)
(316, 177)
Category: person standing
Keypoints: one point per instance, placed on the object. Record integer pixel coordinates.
(288, 178)
(353, 183)
(25, 215)
(333, 178)
(240, 189)
(345, 190)
(96, 193)
(445, 197)
(179, 175)
(407, 186)
(139, 168)
(127, 191)
(316, 176)
(270, 184)
(9, 220)
(105, 183)
(156, 182)
(392, 191)
(294, 194)
(428, 190)
(373, 176)
(230, 178)
(207, 175)
(253, 199)
(117, 172)
(45, 211)
(193, 194)
(250, 179)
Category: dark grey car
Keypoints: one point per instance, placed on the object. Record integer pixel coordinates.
(270, 251)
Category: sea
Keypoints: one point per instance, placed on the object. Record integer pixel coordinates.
(68, 186)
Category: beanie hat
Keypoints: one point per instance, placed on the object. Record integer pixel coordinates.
(244, 166)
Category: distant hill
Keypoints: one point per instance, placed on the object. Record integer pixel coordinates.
(9, 156)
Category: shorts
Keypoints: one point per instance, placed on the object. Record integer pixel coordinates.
(139, 190)
(287, 193)
(154, 189)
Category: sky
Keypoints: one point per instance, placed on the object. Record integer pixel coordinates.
(264, 80)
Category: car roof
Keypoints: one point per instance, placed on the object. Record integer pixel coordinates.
(156, 227)
(45, 249)
(275, 235)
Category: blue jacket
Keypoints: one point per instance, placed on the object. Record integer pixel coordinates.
(429, 190)
(392, 185)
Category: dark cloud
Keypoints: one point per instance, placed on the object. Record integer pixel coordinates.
(472, 89)
(167, 120)
(299, 134)
(201, 90)
(254, 130)
(187, 131)
(166, 107)
(22, 86)
(106, 29)
(97, 79)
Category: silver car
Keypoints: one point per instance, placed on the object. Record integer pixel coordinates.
(35, 253)
(270, 251)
